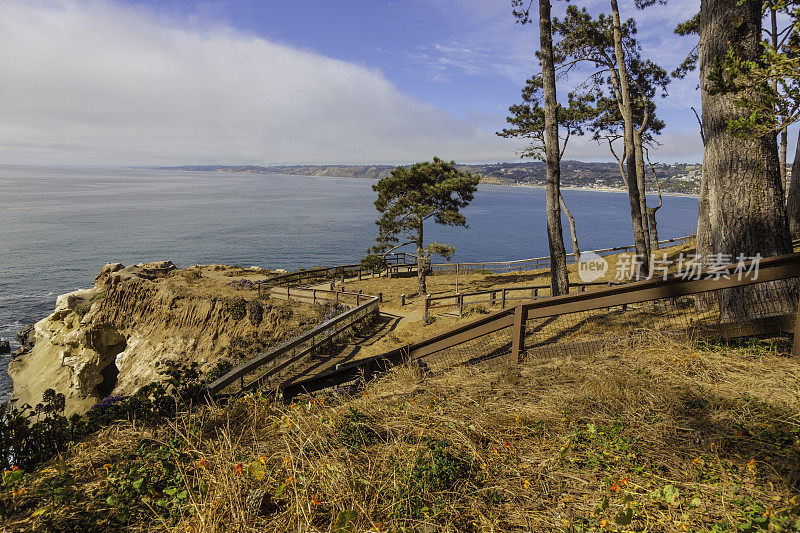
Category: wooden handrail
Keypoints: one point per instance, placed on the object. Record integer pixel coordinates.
(462, 295)
(770, 269)
(508, 264)
(317, 335)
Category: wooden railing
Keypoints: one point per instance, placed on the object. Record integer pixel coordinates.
(260, 368)
(501, 297)
(511, 322)
(311, 295)
(537, 263)
(396, 262)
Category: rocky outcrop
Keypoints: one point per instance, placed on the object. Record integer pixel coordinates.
(114, 337)
(26, 337)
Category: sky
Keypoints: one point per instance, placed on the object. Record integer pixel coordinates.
(172, 82)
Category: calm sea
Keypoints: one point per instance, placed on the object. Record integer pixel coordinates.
(59, 226)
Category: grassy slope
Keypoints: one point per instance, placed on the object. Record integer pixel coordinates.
(658, 436)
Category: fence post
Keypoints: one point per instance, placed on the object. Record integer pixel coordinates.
(491, 299)
(359, 273)
(503, 300)
(358, 298)
(517, 335)
(313, 296)
(288, 294)
(425, 312)
(380, 297)
(402, 300)
(796, 342)
(460, 303)
(535, 293)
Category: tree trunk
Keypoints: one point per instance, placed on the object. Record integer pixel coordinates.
(651, 211)
(793, 203)
(627, 116)
(784, 149)
(559, 282)
(784, 141)
(741, 205)
(422, 288)
(640, 184)
(576, 251)
(651, 215)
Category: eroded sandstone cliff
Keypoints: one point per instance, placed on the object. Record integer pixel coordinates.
(118, 335)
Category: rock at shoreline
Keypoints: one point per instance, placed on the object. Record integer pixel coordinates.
(18, 352)
(5, 347)
(113, 338)
(27, 337)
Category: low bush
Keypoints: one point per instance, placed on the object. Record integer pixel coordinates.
(237, 308)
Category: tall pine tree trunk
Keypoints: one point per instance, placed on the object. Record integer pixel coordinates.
(422, 288)
(576, 250)
(639, 238)
(741, 205)
(559, 282)
(793, 204)
(640, 185)
(784, 140)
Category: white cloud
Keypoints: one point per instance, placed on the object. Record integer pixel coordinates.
(93, 82)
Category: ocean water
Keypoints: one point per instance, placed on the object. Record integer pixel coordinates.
(59, 226)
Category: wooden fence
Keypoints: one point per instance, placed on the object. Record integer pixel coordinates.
(396, 263)
(310, 295)
(507, 333)
(501, 297)
(268, 365)
(537, 263)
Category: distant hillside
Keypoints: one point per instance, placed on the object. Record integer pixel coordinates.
(677, 178)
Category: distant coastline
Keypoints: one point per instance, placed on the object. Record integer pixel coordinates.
(594, 189)
(675, 179)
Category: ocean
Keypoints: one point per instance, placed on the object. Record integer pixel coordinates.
(59, 226)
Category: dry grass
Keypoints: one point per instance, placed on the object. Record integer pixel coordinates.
(671, 436)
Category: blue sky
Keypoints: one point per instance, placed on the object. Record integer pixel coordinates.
(249, 81)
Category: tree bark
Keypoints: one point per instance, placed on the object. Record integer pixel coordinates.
(741, 204)
(576, 251)
(651, 211)
(422, 288)
(784, 141)
(559, 282)
(793, 203)
(640, 185)
(639, 239)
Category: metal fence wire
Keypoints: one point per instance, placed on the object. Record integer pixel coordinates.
(489, 347)
(759, 303)
(767, 308)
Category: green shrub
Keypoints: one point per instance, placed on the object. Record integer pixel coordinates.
(439, 470)
(237, 309)
(30, 435)
(221, 368)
